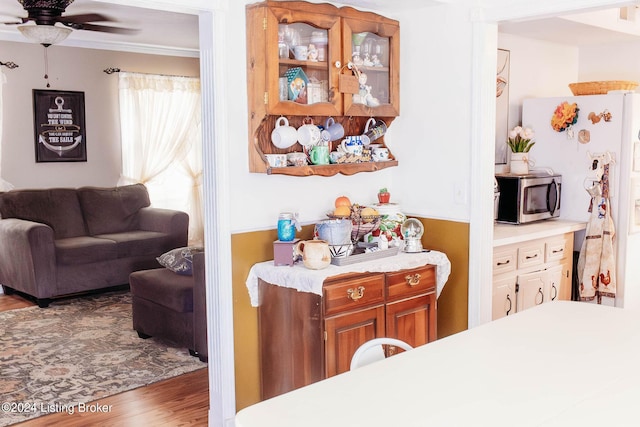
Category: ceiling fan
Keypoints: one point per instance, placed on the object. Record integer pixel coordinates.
(45, 14)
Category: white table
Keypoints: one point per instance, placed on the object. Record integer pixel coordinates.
(558, 364)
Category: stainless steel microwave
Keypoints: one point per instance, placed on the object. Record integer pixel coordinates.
(528, 198)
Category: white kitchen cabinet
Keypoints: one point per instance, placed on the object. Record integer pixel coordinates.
(504, 297)
(531, 272)
(558, 287)
(530, 255)
(530, 288)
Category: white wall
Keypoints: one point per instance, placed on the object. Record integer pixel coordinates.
(619, 61)
(258, 198)
(431, 136)
(78, 70)
(538, 69)
(427, 138)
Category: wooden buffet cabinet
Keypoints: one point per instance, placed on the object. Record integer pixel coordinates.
(306, 337)
(272, 28)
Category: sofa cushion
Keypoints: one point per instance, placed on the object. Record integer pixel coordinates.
(84, 249)
(138, 242)
(163, 287)
(58, 208)
(112, 210)
(180, 260)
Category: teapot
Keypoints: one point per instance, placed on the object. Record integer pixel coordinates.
(315, 253)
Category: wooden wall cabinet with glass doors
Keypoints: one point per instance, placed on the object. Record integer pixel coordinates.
(339, 36)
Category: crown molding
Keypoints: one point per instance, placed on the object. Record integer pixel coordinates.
(185, 6)
(526, 9)
(147, 49)
(133, 48)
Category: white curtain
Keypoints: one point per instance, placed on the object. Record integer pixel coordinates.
(161, 142)
(4, 185)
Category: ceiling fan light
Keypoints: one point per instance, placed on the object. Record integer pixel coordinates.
(44, 34)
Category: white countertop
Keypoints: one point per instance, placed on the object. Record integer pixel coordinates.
(506, 234)
(558, 364)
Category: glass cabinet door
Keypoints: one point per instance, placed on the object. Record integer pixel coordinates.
(373, 50)
(301, 76)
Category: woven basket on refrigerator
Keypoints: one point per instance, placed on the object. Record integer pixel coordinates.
(602, 87)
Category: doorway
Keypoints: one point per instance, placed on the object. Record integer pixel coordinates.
(484, 57)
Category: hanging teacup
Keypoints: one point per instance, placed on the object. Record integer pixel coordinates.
(284, 136)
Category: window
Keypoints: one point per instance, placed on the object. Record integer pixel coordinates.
(161, 142)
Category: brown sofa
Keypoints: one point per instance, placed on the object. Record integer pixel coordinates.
(172, 306)
(61, 241)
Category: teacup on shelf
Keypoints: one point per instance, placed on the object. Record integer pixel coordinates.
(277, 160)
(297, 159)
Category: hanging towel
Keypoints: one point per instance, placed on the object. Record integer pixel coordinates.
(596, 262)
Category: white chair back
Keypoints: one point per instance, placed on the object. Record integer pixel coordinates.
(373, 351)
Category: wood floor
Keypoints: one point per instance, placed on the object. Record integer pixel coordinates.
(179, 401)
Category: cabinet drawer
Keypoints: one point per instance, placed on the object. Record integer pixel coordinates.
(504, 261)
(531, 255)
(415, 281)
(557, 249)
(353, 293)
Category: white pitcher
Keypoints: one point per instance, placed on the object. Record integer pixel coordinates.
(315, 253)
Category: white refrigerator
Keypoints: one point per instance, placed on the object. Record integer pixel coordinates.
(606, 123)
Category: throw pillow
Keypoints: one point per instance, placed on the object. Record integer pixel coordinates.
(180, 260)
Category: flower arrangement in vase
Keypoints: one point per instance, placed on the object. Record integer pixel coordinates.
(520, 141)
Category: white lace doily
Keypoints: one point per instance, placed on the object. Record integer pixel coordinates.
(305, 280)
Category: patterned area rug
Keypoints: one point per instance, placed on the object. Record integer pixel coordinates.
(77, 351)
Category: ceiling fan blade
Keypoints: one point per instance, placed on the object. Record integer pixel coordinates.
(85, 17)
(100, 28)
(21, 21)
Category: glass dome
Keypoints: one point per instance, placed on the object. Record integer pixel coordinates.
(412, 229)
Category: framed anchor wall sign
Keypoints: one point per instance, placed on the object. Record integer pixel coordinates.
(59, 126)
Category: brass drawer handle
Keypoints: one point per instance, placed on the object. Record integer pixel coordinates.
(503, 263)
(355, 294)
(412, 279)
